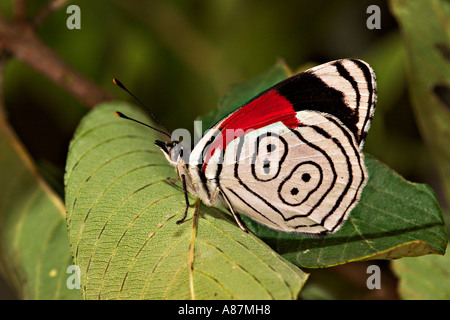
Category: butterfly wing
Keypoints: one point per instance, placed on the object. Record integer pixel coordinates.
(319, 120)
(343, 88)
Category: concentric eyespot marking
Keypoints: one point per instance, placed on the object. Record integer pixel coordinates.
(304, 179)
(269, 154)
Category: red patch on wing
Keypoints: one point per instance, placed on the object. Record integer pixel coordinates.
(269, 108)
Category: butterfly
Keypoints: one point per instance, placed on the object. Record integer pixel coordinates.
(290, 158)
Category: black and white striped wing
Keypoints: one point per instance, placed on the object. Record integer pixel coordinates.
(304, 180)
(344, 88)
(356, 81)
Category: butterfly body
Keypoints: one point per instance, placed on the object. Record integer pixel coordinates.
(291, 157)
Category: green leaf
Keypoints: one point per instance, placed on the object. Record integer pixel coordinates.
(395, 218)
(426, 35)
(122, 214)
(34, 248)
(424, 278)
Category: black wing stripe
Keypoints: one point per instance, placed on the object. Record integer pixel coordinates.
(360, 165)
(347, 186)
(251, 207)
(200, 161)
(371, 87)
(203, 180)
(346, 75)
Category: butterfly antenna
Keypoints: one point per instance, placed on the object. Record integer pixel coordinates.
(120, 84)
(121, 115)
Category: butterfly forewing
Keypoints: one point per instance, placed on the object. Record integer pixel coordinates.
(356, 81)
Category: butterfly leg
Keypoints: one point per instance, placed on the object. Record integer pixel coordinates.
(183, 179)
(236, 217)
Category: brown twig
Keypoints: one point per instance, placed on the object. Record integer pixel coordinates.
(51, 6)
(22, 43)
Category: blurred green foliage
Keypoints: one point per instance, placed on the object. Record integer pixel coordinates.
(179, 57)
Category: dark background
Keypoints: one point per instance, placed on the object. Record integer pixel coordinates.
(179, 57)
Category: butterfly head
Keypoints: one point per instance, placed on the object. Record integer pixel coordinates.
(173, 151)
